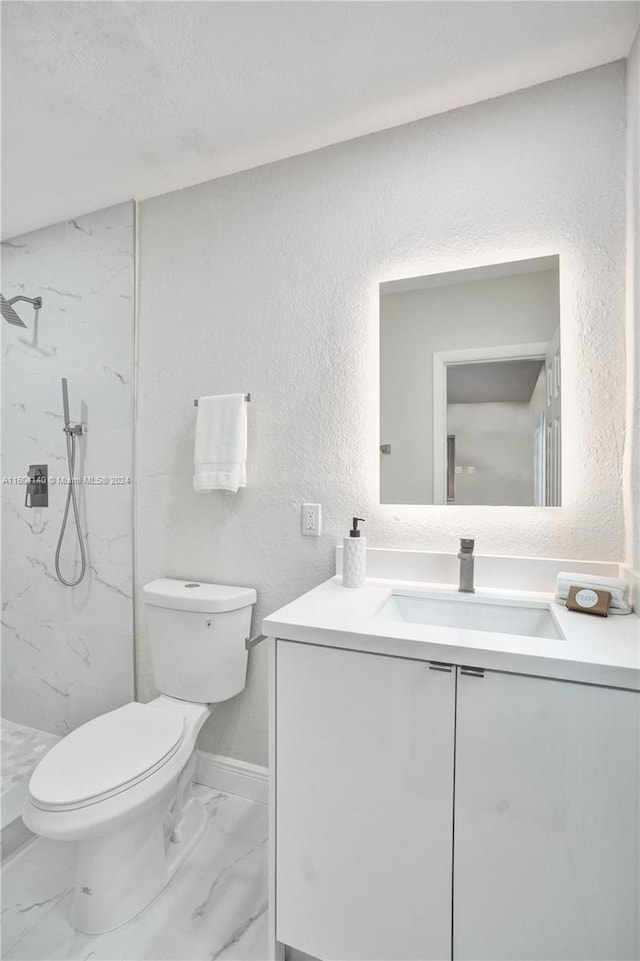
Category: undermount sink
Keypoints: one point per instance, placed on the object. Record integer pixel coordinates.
(533, 619)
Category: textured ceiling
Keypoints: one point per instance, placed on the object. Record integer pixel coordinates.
(104, 101)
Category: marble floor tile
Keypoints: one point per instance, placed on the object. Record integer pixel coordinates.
(34, 882)
(22, 749)
(236, 816)
(214, 908)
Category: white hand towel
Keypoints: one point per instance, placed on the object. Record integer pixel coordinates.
(617, 587)
(221, 443)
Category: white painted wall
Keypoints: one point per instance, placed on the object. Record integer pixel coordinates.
(267, 281)
(632, 447)
(67, 653)
(517, 309)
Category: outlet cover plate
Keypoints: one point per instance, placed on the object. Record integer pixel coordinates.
(311, 520)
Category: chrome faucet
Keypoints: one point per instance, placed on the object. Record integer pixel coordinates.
(465, 555)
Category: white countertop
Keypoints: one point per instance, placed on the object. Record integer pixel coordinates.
(596, 650)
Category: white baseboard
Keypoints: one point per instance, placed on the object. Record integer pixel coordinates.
(230, 776)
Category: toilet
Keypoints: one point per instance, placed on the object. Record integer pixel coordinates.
(121, 784)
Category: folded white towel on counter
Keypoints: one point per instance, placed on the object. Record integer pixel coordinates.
(220, 459)
(617, 587)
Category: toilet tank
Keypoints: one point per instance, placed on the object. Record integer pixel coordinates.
(197, 636)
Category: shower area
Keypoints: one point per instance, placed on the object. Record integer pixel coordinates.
(67, 545)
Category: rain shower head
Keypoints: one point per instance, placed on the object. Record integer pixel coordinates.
(9, 313)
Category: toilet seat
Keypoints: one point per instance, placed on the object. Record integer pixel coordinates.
(106, 756)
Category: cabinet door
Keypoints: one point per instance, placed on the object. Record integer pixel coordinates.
(546, 820)
(364, 768)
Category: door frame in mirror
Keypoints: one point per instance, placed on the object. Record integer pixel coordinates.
(472, 355)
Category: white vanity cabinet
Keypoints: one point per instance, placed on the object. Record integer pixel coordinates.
(364, 804)
(425, 813)
(546, 820)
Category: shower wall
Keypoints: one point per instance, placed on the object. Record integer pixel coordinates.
(68, 652)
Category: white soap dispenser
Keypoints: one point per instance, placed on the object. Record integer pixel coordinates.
(354, 557)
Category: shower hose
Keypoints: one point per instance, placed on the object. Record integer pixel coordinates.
(71, 500)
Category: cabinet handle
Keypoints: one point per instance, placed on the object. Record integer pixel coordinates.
(472, 671)
(439, 666)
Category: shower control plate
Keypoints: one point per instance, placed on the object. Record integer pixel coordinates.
(37, 493)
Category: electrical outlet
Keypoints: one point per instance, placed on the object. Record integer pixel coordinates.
(311, 519)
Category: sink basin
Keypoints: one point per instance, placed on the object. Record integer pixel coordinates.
(532, 619)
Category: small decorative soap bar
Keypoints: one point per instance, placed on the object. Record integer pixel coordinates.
(588, 600)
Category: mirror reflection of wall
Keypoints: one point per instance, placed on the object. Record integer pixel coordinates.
(470, 386)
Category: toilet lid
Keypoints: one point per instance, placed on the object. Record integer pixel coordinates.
(106, 755)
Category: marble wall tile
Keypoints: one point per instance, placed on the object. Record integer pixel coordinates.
(99, 659)
(107, 530)
(39, 348)
(103, 336)
(28, 398)
(108, 454)
(32, 446)
(34, 242)
(68, 652)
(87, 701)
(26, 531)
(105, 393)
(39, 592)
(103, 597)
(101, 224)
(34, 687)
(59, 674)
(99, 396)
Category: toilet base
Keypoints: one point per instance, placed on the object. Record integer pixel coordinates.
(120, 873)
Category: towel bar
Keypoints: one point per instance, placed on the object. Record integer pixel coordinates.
(253, 641)
(247, 398)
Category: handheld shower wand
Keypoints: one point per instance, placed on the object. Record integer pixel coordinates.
(65, 402)
(71, 432)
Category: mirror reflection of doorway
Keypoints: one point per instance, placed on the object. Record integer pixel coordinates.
(493, 409)
(501, 426)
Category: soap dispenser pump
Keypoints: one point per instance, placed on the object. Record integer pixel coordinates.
(354, 557)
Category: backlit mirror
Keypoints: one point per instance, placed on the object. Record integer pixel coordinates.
(470, 386)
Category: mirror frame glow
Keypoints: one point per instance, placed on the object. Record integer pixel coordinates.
(527, 308)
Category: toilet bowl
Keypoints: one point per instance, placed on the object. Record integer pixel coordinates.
(121, 784)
